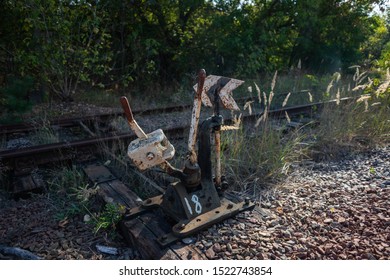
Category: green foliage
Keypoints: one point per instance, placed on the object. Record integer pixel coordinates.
(384, 59)
(72, 196)
(65, 43)
(61, 186)
(377, 47)
(109, 217)
(14, 97)
(151, 45)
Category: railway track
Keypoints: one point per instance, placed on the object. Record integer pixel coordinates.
(63, 147)
(21, 162)
(26, 127)
(99, 118)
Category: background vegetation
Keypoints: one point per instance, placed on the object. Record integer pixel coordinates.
(146, 45)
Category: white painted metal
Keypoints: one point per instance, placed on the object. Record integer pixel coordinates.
(150, 151)
(225, 93)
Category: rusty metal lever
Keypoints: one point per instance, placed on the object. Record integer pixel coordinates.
(148, 150)
(195, 117)
(130, 119)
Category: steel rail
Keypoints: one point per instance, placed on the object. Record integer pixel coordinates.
(56, 151)
(6, 129)
(69, 122)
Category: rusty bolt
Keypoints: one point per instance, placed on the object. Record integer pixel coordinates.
(150, 156)
(148, 201)
(247, 200)
(230, 206)
(163, 238)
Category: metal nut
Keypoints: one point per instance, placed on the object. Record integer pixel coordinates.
(150, 156)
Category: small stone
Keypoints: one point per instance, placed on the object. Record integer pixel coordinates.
(321, 250)
(236, 252)
(341, 220)
(301, 255)
(253, 244)
(210, 253)
(370, 256)
(87, 218)
(229, 247)
(188, 240)
(241, 226)
(286, 234)
(262, 256)
(217, 248)
(264, 234)
(328, 221)
(385, 184)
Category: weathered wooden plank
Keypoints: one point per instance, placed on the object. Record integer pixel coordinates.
(188, 252)
(132, 200)
(98, 173)
(111, 189)
(144, 231)
(138, 233)
(26, 184)
(110, 195)
(141, 232)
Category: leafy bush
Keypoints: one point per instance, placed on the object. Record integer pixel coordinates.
(14, 98)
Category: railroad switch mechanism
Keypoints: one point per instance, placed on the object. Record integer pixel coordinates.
(196, 201)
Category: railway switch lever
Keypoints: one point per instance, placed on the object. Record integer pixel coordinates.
(193, 202)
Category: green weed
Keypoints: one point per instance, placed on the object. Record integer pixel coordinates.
(63, 186)
(108, 218)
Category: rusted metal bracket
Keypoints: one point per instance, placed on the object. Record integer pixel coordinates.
(188, 227)
(145, 206)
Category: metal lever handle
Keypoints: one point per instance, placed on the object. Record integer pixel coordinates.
(127, 109)
(130, 119)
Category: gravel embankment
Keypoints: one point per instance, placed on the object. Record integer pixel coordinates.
(333, 210)
(35, 225)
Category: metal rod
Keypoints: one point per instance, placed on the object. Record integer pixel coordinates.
(218, 172)
(217, 135)
(195, 117)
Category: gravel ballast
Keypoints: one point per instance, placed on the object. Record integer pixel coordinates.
(328, 210)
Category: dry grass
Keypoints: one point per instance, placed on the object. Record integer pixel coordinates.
(252, 161)
(358, 124)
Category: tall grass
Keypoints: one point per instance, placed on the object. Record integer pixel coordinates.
(253, 161)
(358, 124)
(64, 185)
(256, 156)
